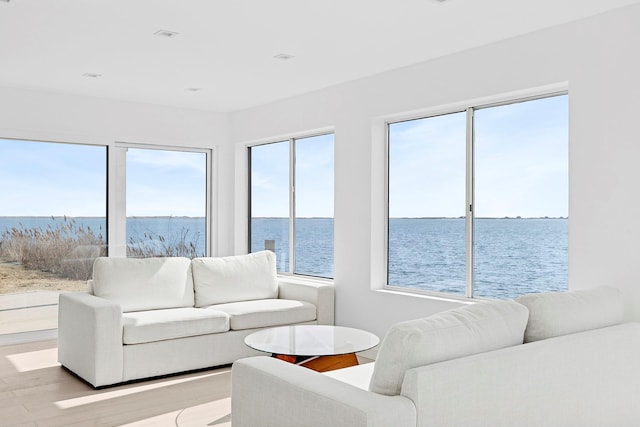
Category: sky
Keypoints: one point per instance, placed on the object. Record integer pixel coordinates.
(53, 179)
(521, 161)
(314, 178)
(166, 183)
(45, 179)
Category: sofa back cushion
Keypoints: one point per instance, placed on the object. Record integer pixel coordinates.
(139, 284)
(448, 335)
(235, 278)
(552, 314)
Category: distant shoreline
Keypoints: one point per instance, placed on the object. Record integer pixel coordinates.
(63, 217)
(483, 217)
(431, 217)
(271, 217)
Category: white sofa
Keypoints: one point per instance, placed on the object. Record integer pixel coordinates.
(148, 317)
(552, 360)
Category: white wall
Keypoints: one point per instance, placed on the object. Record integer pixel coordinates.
(598, 60)
(46, 116)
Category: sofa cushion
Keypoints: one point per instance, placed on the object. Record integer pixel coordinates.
(448, 335)
(235, 278)
(267, 312)
(158, 325)
(552, 314)
(357, 376)
(138, 284)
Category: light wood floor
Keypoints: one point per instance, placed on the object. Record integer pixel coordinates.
(36, 391)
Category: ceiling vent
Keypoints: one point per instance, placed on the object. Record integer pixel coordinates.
(165, 33)
(283, 56)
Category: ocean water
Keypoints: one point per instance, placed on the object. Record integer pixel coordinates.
(512, 256)
(314, 243)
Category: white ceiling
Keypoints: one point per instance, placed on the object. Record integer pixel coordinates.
(227, 47)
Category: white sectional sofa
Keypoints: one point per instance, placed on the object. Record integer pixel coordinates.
(552, 360)
(148, 317)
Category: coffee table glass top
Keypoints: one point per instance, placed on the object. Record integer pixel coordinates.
(311, 340)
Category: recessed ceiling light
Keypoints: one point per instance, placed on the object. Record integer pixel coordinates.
(165, 33)
(284, 56)
(92, 75)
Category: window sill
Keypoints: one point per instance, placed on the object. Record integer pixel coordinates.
(431, 295)
(298, 278)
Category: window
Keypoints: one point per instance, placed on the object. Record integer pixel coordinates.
(426, 203)
(478, 200)
(291, 203)
(269, 205)
(166, 205)
(53, 224)
(53, 216)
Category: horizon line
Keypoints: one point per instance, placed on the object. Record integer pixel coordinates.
(278, 217)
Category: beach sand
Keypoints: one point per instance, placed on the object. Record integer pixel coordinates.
(15, 278)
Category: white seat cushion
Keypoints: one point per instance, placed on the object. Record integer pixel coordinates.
(235, 278)
(139, 284)
(158, 325)
(267, 312)
(552, 314)
(448, 335)
(358, 376)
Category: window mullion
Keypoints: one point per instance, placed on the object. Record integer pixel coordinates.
(116, 200)
(292, 205)
(469, 209)
(210, 231)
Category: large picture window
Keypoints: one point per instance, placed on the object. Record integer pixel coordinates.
(53, 224)
(166, 203)
(426, 203)
(478, 200)
(291, 203)
(53, 216)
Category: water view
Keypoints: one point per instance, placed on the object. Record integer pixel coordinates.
(512, 256)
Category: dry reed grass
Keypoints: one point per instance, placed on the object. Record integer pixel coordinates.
(65, 250)
(68, 249)
(160, 246)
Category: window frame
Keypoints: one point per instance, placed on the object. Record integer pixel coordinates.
(291, 141)
(469, 108)
(120, 207)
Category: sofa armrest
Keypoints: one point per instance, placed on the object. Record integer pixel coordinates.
(319, 294)
(90, 337)
(586, 379)
(268, 392)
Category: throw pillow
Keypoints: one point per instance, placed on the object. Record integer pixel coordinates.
(139, 284)
(448, 335)
(235, 278)
(552, 314)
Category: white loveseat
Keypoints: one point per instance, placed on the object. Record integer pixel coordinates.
(148, 317)
(552, 360)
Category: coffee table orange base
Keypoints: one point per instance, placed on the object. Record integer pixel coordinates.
(323, 363)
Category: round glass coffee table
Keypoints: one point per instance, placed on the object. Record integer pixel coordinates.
(318, 347)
